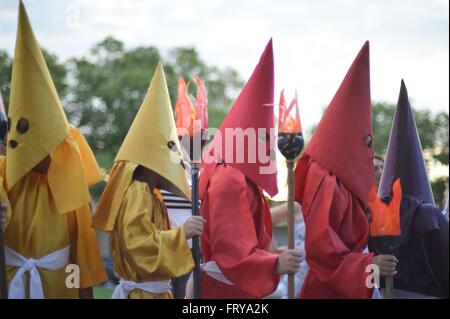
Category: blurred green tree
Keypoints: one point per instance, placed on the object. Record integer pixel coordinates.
(109, 84)
(57, 69)
(102, 90)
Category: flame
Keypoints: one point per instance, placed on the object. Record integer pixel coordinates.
(183, 107)
(202, 106)
(188, 117)
(385, 218)
(287, 123)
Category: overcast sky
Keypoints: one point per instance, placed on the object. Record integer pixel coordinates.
(314, 41)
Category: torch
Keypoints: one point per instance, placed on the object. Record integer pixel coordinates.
(194, 120)
(290, 144)
(385, 227)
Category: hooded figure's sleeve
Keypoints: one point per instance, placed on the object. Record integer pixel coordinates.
(145, 249)
(433, 228)
(84, 249)
(233, 238)
(439, 253)
(336, 235)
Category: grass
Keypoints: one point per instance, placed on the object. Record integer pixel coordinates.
(102, 293)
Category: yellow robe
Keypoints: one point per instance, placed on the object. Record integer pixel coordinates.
(143, 246)
(35, 229)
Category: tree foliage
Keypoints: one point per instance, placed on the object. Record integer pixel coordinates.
(102, 91)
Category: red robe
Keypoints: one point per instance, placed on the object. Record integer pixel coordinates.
(337, 232)
(237, 234)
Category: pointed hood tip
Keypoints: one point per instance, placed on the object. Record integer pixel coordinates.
(159, 68)
(22, 13)
(159, 76)
(366, 46)
(268, 51)
(22, 9)
(403, 96)
(365, 49)
(403, 86)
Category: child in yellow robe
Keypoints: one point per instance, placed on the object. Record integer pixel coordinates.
(44, 181)
(145, 251)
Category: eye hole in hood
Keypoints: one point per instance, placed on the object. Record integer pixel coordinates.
(22, 126)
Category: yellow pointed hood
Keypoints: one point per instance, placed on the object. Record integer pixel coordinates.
(39, 128)
(151, 142)
(33, 101)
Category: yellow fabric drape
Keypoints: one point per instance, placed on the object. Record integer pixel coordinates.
(91, 169)
(35, 228)
(111, 200)
(67, 178)
(143, 246)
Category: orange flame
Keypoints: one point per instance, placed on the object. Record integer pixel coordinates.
(183, 107)
(188, 117)
(287, 123)
(202, 106)
(385, 218)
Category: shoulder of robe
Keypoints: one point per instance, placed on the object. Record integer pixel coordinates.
(138, 196)
(227, 179)
(429, 218)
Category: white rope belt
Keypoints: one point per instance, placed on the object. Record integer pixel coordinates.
(17, 286)
(126, 286)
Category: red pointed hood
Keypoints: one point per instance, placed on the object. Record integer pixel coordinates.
(252, 112)
(342, 142)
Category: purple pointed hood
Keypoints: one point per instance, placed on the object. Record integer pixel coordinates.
(404, 158)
